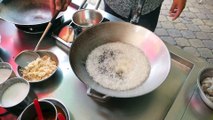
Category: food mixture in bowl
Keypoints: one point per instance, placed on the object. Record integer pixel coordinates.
(118, 66)
(39, 69)
(207, 87)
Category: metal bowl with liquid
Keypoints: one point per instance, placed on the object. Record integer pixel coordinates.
(205, 86)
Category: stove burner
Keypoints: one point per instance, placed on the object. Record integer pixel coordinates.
(77, 29)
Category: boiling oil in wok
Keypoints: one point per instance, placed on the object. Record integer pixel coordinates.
(118, 66)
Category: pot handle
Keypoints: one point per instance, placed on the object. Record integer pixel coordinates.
(96, 95)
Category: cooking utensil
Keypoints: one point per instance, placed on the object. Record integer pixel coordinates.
(205, 73)
(41, 53)
(25, 57)
(61, 116)
(28, 15)
(38, 110)
(153, 47)
(87, 17)
(67, 33)
(6, 71)
(93, 17)
(49, 111)
(60, 107)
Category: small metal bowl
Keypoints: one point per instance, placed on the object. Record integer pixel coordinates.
(85, 18)
(41, 54)
(207, 72)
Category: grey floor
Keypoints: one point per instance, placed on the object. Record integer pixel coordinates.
(192, 31)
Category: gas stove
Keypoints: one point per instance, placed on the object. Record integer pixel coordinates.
(67, 21)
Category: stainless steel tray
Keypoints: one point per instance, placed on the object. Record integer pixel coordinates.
(171, 100)
(175, 99)
(188, 104)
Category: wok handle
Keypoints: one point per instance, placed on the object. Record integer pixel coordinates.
(96, 95)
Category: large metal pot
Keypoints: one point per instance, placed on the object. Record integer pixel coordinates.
(29, 15)
(153, 47)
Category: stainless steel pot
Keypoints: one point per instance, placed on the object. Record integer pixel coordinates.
(85, 18)
(202, 86)
(29, 15)
(153, 47)
(82, 19)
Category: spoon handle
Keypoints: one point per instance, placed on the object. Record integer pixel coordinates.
(61, 116)
(46, 30)
(38, 109)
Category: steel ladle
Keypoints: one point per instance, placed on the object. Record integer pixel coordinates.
(27, 56)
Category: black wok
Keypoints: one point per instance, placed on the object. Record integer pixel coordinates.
(153, 47)
(29, 15)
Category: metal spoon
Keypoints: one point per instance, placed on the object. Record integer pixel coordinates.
(27, 56)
